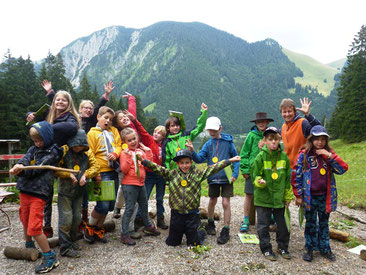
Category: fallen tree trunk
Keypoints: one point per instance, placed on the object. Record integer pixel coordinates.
(351, 217)
(109, 226)
(20, 253)
(53, 242)
(338, 235)
(204, 214)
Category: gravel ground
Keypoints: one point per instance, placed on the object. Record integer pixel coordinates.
(152, 256)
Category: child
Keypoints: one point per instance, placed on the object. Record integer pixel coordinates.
(35, 187)
(271, 172)
(185, 194)
(176, 139)
(133, 184)
(71, 189)
(316, 189)
(219, 147)
(154, 143)
(105, 142)
(251, 148)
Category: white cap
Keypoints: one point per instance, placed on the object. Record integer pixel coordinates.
(213, 123)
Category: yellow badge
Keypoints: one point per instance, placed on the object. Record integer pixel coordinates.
(323, 171)
(77, 167)
(124, 146)
(178, 149)
(183, 183)
(215, 159)
(32, 162)
(274, 175)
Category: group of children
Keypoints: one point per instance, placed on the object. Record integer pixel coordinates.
(103, 145)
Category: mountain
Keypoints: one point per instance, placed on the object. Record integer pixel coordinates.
(176, 66)
(338, 64)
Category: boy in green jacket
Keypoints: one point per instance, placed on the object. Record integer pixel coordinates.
(271, 172)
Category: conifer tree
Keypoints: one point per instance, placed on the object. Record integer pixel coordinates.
(85, 89)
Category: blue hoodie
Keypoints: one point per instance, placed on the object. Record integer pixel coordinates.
(222, 148)
(39, 183)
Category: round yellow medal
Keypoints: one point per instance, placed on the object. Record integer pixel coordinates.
(274, 175)
(77, 167)
(323, 171)
(178, 149)
(124, 146)
(183, 183)
(32, 162)
(215, 159)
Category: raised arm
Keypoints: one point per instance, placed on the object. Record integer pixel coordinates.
(131, 103)
(201, 123)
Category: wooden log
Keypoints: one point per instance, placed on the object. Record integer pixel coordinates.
(53, 242)
(252, 213)
(363, 254)
(20, 253)
(109, 226)
(204, 214)
(338, 235)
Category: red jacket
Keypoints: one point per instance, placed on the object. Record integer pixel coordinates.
(128, 168)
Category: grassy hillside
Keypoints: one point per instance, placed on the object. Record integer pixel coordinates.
(316, 74)
(338, 64)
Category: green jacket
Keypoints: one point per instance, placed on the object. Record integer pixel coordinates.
(276, 192)
(185, 198)
(250, 150)
(170, 144)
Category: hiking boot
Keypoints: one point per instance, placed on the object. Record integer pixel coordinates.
(117, 213)
(99, 235)
(89, 233)
(308, 255)
(201, 232)
(138, 223)
(49, 261)
(224, 236)
(329, 256)
(126, 239)
(135, 235)
(210, 228)
(48, 231)
(70, 252)
(285, 254)
(151, 230)
(244, 226)
(161, 222)
(269, 255)
(76, 246)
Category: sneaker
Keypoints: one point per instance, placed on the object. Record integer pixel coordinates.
(49, 262)
(308, 255)
(89, 233)
(126, 239)
(269, 255)
(161, 222)
(48, 231)
(99, 235)
(224, 236)
(151, 230)
(285, 254)
(138, 223)
(70, 252)
(210, 228)
(117, 213)
(329, 256)
(135, 235)
(76, 246)
(244, 226)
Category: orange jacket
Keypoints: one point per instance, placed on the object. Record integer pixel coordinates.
(128, 168)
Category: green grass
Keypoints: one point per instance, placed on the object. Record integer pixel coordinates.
(314, 72)
(338, 64)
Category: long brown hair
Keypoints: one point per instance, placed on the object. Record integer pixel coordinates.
(309, 147)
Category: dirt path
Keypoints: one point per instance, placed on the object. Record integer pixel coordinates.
(152, 256)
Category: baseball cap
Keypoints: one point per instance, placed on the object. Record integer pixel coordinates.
(271, 130)
(182, 154)
(318, 130)
(213, 123)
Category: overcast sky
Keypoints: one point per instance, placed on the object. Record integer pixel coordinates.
(322, 29)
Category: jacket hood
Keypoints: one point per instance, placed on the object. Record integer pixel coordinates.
(227, 137)
(255, 131)
(175, 136)
(79, 139)
(46, 132)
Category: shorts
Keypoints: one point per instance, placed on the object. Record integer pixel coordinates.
(225, 190)
(249, 187)
(31, 214)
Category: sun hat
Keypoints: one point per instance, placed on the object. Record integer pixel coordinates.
(261, 116)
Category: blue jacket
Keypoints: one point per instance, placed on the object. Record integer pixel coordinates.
(222, 148)
(39, 183)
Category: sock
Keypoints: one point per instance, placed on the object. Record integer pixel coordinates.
(227, 226)
(211, 220)
(29, 244)
(92, 221)
(246, 218)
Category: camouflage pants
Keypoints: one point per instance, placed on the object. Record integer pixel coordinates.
(317, 231)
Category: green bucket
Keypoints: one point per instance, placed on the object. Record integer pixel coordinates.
(102, 192)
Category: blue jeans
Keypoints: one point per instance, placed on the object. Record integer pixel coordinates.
(69, 218)
(152, 180)
(103, 207)
(133, 194)
(317, 234)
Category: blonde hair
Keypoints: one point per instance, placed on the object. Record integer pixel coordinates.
(84, 102)
(160, 129)
(287, 102)
(127, 131)
(34, 134)
(105, 109)
(52, 115)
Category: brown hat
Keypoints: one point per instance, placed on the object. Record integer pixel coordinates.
(261, 116)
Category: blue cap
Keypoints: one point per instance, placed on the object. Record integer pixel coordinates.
(318, 130)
